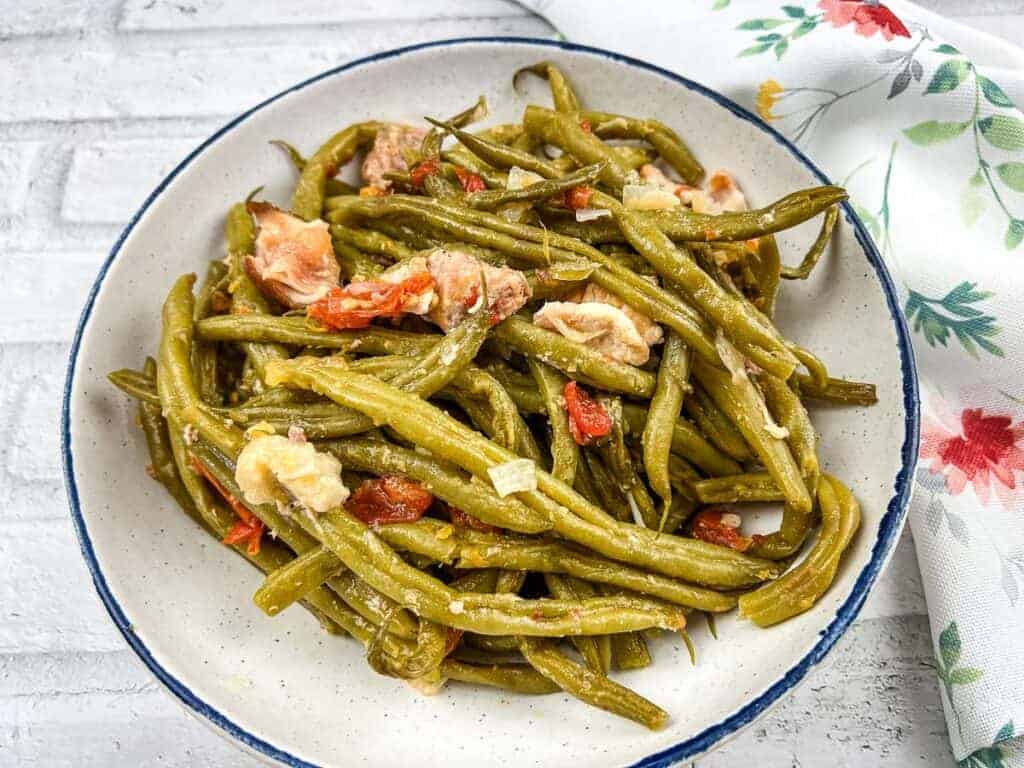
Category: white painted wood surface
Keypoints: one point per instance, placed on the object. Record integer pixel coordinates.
(99, 100)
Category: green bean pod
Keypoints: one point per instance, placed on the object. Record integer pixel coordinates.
(308, 197)
(565, 454)
(672, 386)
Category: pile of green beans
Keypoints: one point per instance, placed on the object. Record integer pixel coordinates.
(552, 587)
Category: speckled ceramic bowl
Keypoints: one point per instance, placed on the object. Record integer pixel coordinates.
(282, 686)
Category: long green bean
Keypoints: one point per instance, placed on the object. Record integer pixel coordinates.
(673, 384)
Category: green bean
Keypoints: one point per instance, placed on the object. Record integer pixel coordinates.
(574, 518)
(663, 413)
(161, 458)
(442, 480)
(355, 265)
(414, 238)
(800, 588)
(557, 281)
(504, 156)
(369, 241)
(490, 199)
(733, 489)
(657, 134)
(588, 647)
(789, 413)
(431, 146)
(747, 328)
(766, 267)
(610, 495)
(298, 331)
(565, 454)
(687, 441)
(551, 556)
(740, 400)
(517, 678)
(629, 651)
(562, 94)
(714, 424)
(308, 198)
(331, 186)
(590, 687)
(459, 156)
(837, 391)
(295, 580)
(678, 511)
(565, 132)
(178, 393)
(573, 358)
(803, 270)
(204, 355)
(246, 298)
(634, 157)
(135, 384)
(366, 555)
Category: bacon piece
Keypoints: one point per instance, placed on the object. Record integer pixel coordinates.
(457, 284)
(387, 154)
(294, 261)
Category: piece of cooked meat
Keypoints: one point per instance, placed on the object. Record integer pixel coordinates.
(294, 261)
(649, 330)
(457, 284)
(721, 193)
(413, 303)
(725, 193)
(386, 155)
(602, 327)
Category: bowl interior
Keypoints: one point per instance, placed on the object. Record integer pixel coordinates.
(311, 696)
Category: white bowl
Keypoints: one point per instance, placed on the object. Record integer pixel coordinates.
(282, 686)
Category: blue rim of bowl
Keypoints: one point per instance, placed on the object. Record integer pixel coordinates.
(888, 530)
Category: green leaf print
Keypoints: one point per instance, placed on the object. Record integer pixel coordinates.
(720, 4)
(950, 651)
(761, 24)
(949, 645)
(1014, 234)
(1005, 733)
(1012, 175)
(947, 49)
(937, 319)
(965, 676)
(934, 132)
(1003, 131)
(948, 76)
(794, 11)
(993, 92)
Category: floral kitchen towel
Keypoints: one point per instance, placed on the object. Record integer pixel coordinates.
(916, 117)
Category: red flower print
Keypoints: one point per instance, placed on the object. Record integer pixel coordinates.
(867, 17)
(981, 450)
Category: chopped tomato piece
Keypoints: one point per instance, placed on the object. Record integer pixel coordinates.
(249, 528)
(454, 635)
(251, 533)
(419, 173)
(588, 420)
(358, 304)
(466, 520)
(585, 125)
(389, 499)
(575, 198)
(709, 526)
(471, 182)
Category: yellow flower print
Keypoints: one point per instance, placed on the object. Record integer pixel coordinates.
(767, 95)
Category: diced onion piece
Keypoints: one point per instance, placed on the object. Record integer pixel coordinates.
(589, 214)
(635, 509)
(647, 197)
(770, 426)
(731, 357)
(519, 178)
(312, 477)
(514, 476)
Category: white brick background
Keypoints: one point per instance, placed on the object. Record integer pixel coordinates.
(97, 101)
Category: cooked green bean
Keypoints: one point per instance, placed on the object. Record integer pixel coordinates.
(714, 424)
(431, 146)
(204, 354)
(562, 94)
(355, 265)
(589, 686)
(837, 391)
(803, 586)
(734, 489)
(564, 131)
(742, 402)
(687, 441)
(490, 199)
(657, 134)
(673, 384)
(369, 241)
(803, 270)
(308, 198)
(588, 647)
(331, 186)
(295, 580)
(565, 454)
(518, 678)
(573, 358)
(789, 413)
